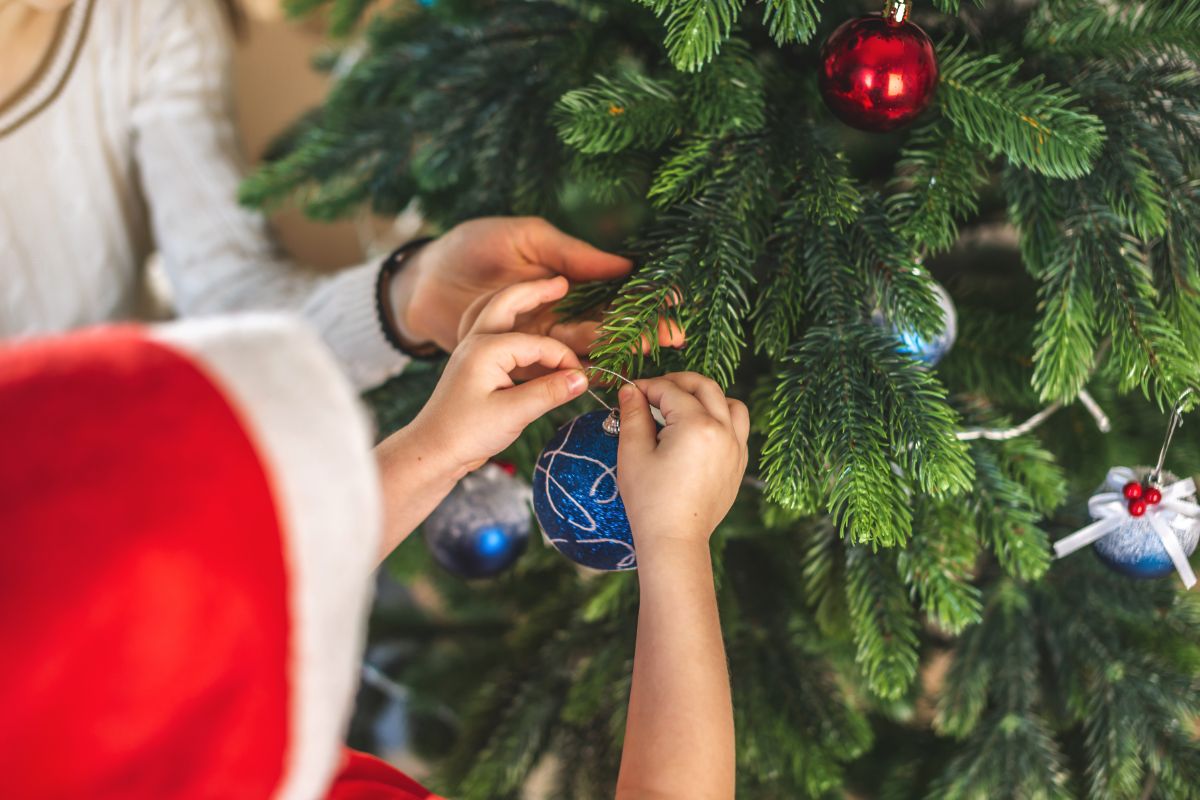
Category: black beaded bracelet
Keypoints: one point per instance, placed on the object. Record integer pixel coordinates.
(392, 265)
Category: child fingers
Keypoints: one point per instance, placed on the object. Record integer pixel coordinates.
(707, 391)
(502, 309)
(675, 403)
(511, 351)
(530, 400)
(739, 416)
(639, 434)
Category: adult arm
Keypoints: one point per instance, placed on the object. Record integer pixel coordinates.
(221, 257)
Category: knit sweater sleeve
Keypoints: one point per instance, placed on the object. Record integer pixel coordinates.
(219, 256)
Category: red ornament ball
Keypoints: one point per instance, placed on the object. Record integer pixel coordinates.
(1137, 508)
(1152, 496)
(878, 72)
(1132, 490)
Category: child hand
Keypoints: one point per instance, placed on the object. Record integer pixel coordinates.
(676, 486)
(477, 409)
(679, 483)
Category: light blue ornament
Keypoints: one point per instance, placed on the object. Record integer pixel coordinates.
(1135, 548)
(575, 495)
(1151, 543)
(928, 351)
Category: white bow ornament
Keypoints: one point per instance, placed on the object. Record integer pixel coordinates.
(1174, 518)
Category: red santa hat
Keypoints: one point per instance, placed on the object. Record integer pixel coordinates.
(189, 519)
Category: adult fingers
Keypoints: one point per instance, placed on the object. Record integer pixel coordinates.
(670, 333)
(705, 390)
(543, 244)
(639, 435)
(675, 403)
(500, 312)
(579, 335)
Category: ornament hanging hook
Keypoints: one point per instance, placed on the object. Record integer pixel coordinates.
(896, 11)
(1176, 421)
(612, 424)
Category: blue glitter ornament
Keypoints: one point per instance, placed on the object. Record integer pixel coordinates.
(575, 496)
(482, 526)
(932, 350)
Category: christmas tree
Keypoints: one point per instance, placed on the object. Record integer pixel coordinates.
(895, 622)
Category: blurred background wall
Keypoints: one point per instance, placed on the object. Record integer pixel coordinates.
(275, 83)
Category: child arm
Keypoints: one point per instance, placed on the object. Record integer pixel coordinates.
(477, 408)
(677, 485)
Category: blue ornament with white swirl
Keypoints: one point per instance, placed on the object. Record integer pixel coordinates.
(576, 499)
(927, 350)
(483, 525)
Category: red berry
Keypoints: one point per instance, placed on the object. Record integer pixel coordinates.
(1132, 490)
(509, 467)
(1152, 495)
(1137, 508)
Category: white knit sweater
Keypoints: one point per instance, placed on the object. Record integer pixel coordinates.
(124, 142)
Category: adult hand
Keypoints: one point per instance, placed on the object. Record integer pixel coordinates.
(440, 292)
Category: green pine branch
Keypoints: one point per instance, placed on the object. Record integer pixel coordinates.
(614, 114)
(696, 29)
(779, 307)
(681, 176)
(797, 734)
(824, 191)
(888, 412)
(1012, 755)
(992, 357)
(1065, 336)
(939, 564)
(989, 699)
(648, 299)
(1127, 31)
(938, 180)
(1146, 351)
(1016, 485)
(729, 95)
(902, 288)
(791, 21)
(882, 622)
(1035, 124)
(1037, 206)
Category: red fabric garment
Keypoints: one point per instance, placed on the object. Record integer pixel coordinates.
(142, 614)
(365, 777)
(152, 605)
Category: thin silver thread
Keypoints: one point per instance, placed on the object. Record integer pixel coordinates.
(616, 375)
(1176, 421)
